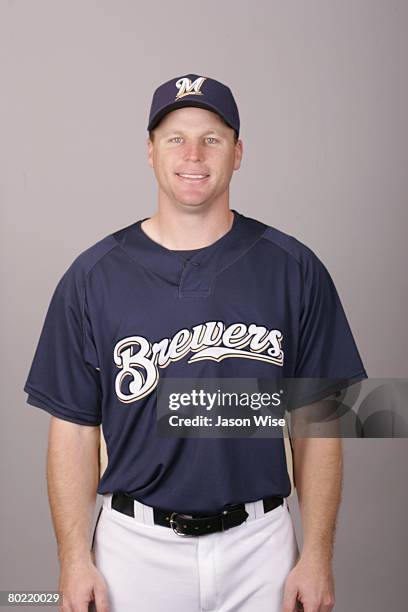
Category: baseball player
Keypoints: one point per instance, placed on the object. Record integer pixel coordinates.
(198, 290)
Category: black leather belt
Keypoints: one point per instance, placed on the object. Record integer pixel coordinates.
(195, 524)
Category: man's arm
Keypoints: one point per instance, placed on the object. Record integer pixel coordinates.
(73, 476)
(318, 474)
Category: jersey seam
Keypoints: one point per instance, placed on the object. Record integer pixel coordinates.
(132, 259)
(261, 237)
(286, 250)
(302, 280)
(83, 299)
(231, 263)
(102, 256)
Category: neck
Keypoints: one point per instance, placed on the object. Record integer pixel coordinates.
(185, 229)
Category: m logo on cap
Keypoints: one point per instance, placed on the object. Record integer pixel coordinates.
(187, 88)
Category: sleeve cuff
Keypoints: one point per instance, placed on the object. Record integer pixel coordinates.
(303, 397)
(41, 401)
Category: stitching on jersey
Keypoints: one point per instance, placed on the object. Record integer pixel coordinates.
(231, 263)
(83, 296)
(285, 249)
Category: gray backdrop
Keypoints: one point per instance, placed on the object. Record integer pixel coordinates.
(322, 92)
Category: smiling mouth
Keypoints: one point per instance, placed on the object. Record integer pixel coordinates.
(194, 178)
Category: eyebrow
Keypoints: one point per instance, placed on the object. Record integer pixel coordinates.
(209, 131)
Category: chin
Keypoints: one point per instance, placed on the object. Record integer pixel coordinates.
(192, 204)
(193, 200)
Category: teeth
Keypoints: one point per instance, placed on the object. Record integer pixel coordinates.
(194, 176)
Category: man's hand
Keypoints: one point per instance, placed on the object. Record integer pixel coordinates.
(311, 582)
(82, 583)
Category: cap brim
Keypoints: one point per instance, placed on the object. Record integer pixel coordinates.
(183, 103)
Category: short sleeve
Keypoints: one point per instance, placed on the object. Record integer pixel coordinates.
(64, 378)
(326, 347)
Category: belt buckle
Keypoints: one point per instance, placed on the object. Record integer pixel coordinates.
(179, 533)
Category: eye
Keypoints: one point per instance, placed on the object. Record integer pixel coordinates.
(212, 139)
(175, 139)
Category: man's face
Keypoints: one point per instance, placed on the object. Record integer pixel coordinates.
(193, 155)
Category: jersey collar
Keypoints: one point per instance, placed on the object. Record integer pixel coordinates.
(195, 277)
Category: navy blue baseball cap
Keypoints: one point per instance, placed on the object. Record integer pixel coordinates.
(194, 90)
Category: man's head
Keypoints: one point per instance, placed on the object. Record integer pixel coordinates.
(193, 143)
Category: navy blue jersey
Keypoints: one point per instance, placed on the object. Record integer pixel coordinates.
(257, 303)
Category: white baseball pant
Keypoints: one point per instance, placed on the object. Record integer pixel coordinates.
(149, 568)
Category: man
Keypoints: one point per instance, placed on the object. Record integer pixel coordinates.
(197, 291)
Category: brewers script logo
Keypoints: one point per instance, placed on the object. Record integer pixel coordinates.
(139, 360)
(187, 88)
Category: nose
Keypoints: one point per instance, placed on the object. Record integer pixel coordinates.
(192, 151)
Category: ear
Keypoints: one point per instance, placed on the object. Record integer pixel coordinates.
(238, 152)
(149, 152)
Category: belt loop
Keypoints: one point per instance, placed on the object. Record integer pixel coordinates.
(250, 508)
(259, 510)
(107, 500)
(148, 515)
(138, 511)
